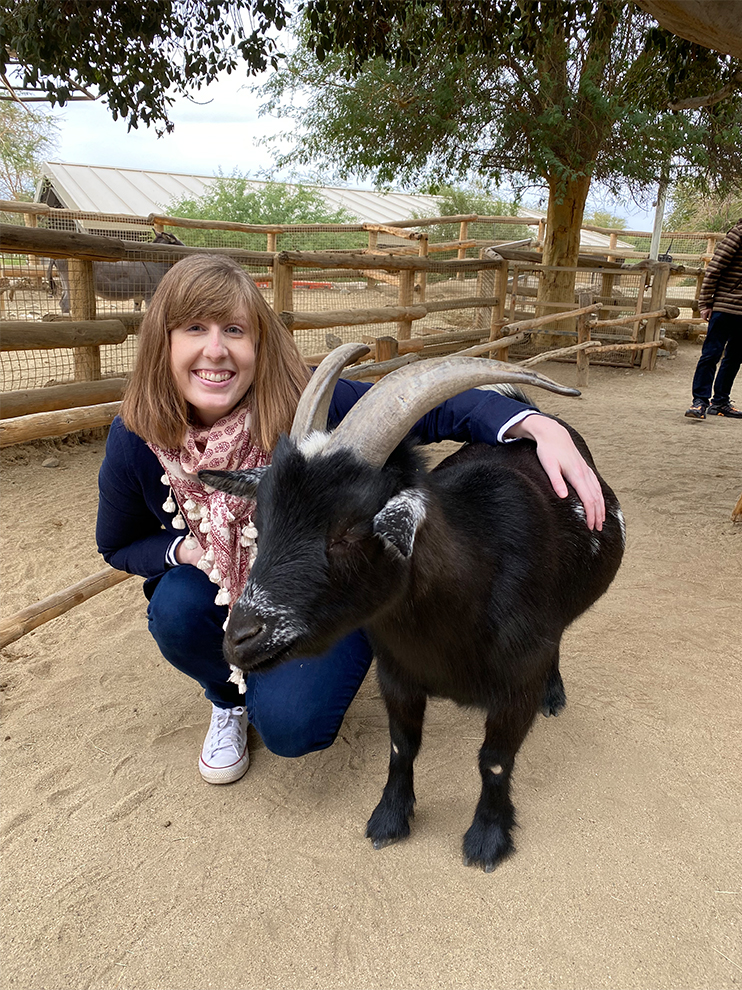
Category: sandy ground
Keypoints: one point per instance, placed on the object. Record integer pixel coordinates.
(122, 869)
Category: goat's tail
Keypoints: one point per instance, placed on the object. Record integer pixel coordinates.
(511, 391)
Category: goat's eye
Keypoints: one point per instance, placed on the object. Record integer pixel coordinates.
(347, 539)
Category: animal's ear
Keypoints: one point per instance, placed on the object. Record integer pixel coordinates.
(242, 483)
(398, 522)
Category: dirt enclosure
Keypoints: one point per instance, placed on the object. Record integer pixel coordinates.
(122, 870)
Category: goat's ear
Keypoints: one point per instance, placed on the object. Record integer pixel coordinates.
(398, 522)
(242, 483)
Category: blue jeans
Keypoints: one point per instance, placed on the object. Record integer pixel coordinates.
(297, 707)
(724, 336)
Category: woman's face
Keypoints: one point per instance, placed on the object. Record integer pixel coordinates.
(213, 364)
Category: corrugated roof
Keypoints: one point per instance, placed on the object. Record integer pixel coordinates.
(139, 192)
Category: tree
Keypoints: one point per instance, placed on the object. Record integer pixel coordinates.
(136, 56)
(26, 137)
(604, 218)
(561, 94)
(237, 199)
(694, 210)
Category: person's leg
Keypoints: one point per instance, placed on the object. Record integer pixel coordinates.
(299, 706)
(731, 326)
(713, 348)
(187, 626)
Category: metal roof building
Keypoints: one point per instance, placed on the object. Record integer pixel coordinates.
(139, 192)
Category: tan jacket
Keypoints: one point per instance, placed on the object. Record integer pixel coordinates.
(722, 284)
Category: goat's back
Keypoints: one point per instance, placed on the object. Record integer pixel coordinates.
(500, 569)
(501, 499)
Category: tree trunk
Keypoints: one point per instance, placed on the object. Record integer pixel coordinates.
(562, 245)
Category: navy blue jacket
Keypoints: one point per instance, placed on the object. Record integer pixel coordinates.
(134, 532)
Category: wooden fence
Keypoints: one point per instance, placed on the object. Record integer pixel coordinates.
(504, 305)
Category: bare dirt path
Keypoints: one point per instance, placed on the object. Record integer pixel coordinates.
(122, 870)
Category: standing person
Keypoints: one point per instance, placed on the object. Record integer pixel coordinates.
(217, 380)
(720, 302)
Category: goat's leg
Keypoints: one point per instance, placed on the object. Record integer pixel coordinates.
(390, 820)
(489, 839)
(554, 695)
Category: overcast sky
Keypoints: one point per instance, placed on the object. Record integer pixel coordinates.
(218, 131)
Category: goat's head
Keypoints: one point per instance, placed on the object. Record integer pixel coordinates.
(337, 514)
(165, 237)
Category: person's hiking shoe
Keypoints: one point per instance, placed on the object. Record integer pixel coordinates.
(726, 409)
(697, 410)
(224, 756)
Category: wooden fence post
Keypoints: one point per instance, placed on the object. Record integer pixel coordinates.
(514, 293)
(607, 283)
(82, 307)
(387, 348)
(497, 313)
(422, 277)
(640, 290)
(463, 235)
(406, 298)
(485, 287)
(283, 286)
(656, 301)
(583, 335)
(612, 242)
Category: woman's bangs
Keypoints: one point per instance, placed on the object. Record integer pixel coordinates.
(219, 299)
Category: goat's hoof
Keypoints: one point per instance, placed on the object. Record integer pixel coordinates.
(486, 847)
(487, 867)
(551, 709)
(383, 843)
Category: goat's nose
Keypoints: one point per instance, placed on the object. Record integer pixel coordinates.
(244, 632)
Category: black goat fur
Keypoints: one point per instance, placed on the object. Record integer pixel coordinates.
(499, 567)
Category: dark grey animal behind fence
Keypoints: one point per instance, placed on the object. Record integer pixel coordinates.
(465, 577)
(117, 280)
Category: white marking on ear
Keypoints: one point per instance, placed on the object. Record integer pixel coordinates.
(398, 521)
(314, 444)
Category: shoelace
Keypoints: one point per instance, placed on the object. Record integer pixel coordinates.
(225, 732)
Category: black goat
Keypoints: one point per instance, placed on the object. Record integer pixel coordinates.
(117, 280)
(465, 577)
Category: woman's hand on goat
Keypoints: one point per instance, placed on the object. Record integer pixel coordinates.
(563, 463)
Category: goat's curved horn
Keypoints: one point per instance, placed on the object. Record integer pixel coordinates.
(314, 404)
(382, 417)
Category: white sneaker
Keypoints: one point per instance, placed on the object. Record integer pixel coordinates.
(224, 756)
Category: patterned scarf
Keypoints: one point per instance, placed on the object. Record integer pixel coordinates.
(221, 524)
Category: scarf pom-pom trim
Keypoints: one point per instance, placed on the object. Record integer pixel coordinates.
(237, 677)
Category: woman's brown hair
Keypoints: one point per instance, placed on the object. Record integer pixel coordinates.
(211, 286)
